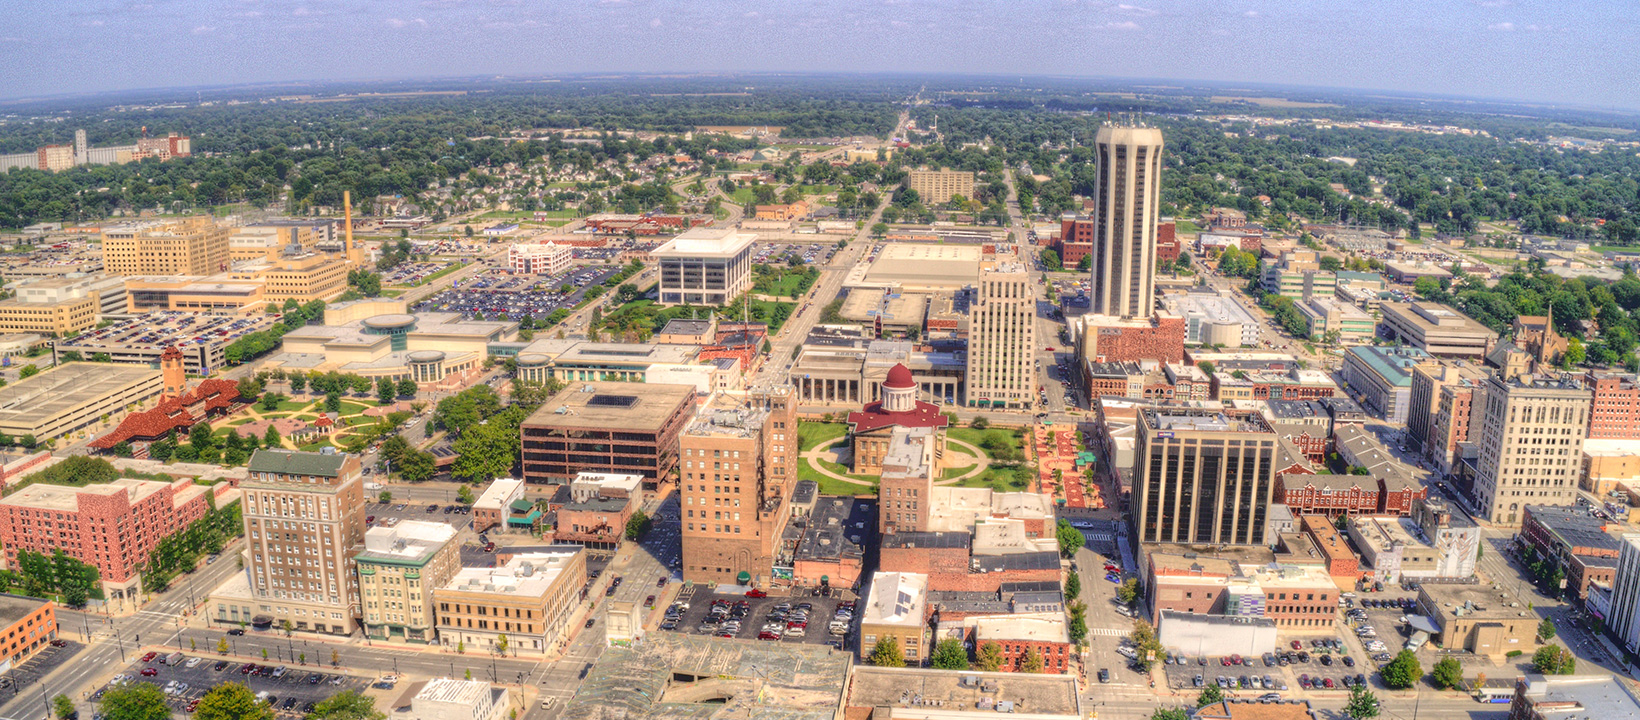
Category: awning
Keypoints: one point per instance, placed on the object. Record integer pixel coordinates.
(744, 577)
(1419, 622)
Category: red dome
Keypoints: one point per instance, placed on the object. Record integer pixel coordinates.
(899, 377)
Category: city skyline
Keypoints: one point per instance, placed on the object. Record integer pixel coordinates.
(1504, 49)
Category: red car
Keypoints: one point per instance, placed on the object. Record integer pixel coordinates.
(1298, 645)
(246, 669)
(149, 657)
(149, 672)
(767, 636)
(752, 593)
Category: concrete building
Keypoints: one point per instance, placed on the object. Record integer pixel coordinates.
(398, 570)
(608, 427)
(573, 360)
(1298, 275)
(852, 372)
(539, 258)
(1610, 465)
(705, 266)
(923, 267)
(597, 509)
(29, 625)
(213, 295)
(1326, 315)
(739, 469)
(1545, 697)
(1002, 342)
(1126, 204)
(432, 349)
(1442, 407)
(1381, 378)
(1530, 445)
(1484, 620)
(194, 246)
(525, 603)
(71, 399)
(1624, 618)
(62, 306)
(302, 509)
(1199, 635)
(1213, 319)
(1435, 329)
(451, 699)
(896, 607)
(1582, 547)
(937, 187)
(493, 507)
(1433, 543)
(111, 526)
(1203, 477)
(202, 339)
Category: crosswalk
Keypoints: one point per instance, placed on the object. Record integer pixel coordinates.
(1099, 537)
(1110, 632)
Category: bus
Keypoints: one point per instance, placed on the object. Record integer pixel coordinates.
(1495, 695)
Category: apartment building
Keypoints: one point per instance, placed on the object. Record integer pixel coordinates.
(1203, 477)
(1298, 275)
(739, 468)
(27, 626)
(1442, 407)
(1615, 412)
(525, 604)
(399, 569)
(304, 522)
(1002, 341)
(1530, 444)
(194, 246)
(936, 187)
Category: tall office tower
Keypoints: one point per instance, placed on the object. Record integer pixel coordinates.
(739, 470)
(1624, 615)
(80, 156)
(1203, 477)
(195, 246)
(1531, 442)
(1127, 193)
(304, 522)
(1002, 341)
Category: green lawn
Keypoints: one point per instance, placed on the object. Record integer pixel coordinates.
(287, 406)
(830, 485)
(354, 407)
(811, 434)
(314, 447)
(999, 479)
(643, 312)
(821, 189)
(977, 438)
(790, 281)
(1185, 226)
(742, 196)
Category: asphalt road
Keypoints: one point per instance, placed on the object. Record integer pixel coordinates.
(778, 368)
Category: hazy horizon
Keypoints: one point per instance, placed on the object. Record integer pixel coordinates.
(1571, 53)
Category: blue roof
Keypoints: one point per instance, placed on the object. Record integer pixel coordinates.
(1393, 364)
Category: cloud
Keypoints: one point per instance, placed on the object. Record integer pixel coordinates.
(1124, 25)
(93, 23)
(304, 12)
(398, 23)
(1135, 10)
(1501, 27)
(899, 24)
(1250, 13)
(203, 29)
(654, 22)
(751, 14)
(1494, 3)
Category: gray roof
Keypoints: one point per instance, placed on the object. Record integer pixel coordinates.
(294, 462)
(685, 326)
(14, 608)
(913, 540)
(1046, 560)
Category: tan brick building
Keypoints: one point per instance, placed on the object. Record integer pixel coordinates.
(195, 246)
(398, 571)
(529, 600)
(304, 522)
(936, 187)
(739, 467)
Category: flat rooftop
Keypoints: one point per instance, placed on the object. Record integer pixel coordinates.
(65, 387)
(705, 242)
(14, 608)
(1481, 601)
(67, 498)
(156, 331)
(529, 575)
(636, 406)
(591, 353)
(1584, 697)
(926, 265)
(963, 692)
(411, 542)
(1164, 419)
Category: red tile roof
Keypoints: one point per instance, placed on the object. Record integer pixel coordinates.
(874, 417)
(174, 413)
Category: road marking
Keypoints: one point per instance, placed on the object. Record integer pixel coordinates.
(1110, 632)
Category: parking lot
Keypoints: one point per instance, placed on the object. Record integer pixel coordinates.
(780, 253)
(24, 676)
(494, 292)
(390, 514)
(293, 693)
(1315, 664)
(820, 613)
(412, 272)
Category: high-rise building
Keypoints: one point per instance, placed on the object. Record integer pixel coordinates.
(936, 187)
(607, 427)
(196, 246)
(1531, 443)
(1616, 409)
(398, 571)
(739, 469)
(1127, 194)
(1443, 407)
(1203, 477)
(1624, 616)
(705, 266)
(1002, 341)
(304, 522)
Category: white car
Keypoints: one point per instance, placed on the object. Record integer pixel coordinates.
(193, 662)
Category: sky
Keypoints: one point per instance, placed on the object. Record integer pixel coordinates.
(1581, 52)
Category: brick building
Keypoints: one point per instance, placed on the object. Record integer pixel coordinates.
(1167, 242)
(29, 624)
(1339, 559)
(1615, 412)
(111, 526)
(946, 559)
(1330, 495)
(1103, 338)
(596, 508)
(1300, 599)
(1075, 240)
(1578, 544)
(739, 469)
(1018, 635)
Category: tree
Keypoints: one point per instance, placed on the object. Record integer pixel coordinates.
(407, 388)
(386, 391)
(1032, 662)
(501, 644)
(232, 701)
(1362, 703)
(1546, 630)
(464, 495)
(1554, 660)
(333, 402)
(28, 371)
(1070, 539)
(1402, 672)
(222, 645)
(637, 525)
(1210, 694)
(887, 653)
(979, 423)
(270, 401)
(62, 706)
(989, 656)
(1085, 264)
(1128, 591)
(949, 654)
(137, 701)
(1447, 674)
(1146, 645)
(1575, 352)
(1050, 260)
(349, 705)
(297, 382)
(1073, 585)
(1169, 714)
(270, 437)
